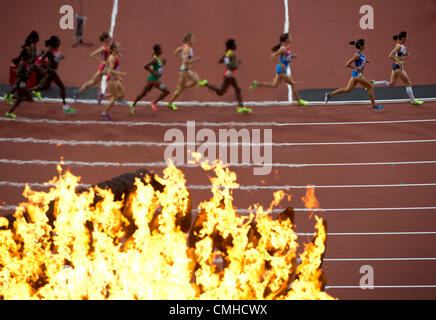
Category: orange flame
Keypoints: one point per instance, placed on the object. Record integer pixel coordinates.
(86, 252)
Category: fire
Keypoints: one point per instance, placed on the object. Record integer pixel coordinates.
(86, 251)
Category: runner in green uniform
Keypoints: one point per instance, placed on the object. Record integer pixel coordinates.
(154, 66)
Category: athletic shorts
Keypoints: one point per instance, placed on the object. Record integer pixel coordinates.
(228, 74)
(161, 86)
(356, 73)
(397, 66)
(280, 69)
(152, 78)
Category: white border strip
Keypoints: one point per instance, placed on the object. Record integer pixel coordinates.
(165, 144)
(111, 33)
(219, 104)
(206, 123)
(286, 29)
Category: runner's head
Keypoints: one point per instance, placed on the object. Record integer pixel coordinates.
(359, 44)
(401, 37)
(114, 48)
(32, 38)
(189, 38)
(231, 44)
(105, 38)
(284, 39)
(54, 42)
(157, 49)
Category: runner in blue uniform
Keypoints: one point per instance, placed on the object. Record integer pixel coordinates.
(357, 63)
(283, 51)
(398, 55)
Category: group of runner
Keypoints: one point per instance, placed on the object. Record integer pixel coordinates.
(43, 65)
(107, 55)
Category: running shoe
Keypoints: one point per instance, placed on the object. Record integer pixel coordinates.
(172, 106)
(66, 109)
(302, 102)
(153, 106)
(9, 98)
(244, 109)
(37, 94)
(378, 107)
(100, 97)
(11, 115)
(253, 85)
(417, 102)
(327, 97)
(132, 109)
(106, 117)
(76, 95)
(122, 101)
(202, 83)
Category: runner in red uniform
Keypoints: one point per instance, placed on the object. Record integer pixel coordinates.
(101, 55)
(115, 87)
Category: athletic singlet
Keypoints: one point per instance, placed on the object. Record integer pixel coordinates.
(359, 63)
(286, 58)
(228, 72)
(402, 52)
(25, 73)
(104, 56)
(191, 55)
(52, 59)
(116, 68)
(157, 67)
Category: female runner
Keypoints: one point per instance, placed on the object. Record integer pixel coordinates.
(30, 45)
(101, 55)
(283, 51)
(114, 85)
(185, 72)
(49, 62)
(232, 64)
(357, 63)
(155, 67)
(24, 70)
(398, 55)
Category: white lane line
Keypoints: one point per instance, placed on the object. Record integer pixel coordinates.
(286, 187)
(336, 210)
(248, 187)
(384, 287)
(182, 165)
(207, 123)
(402, 233)
(379, 259)
(254, 187)
(304, 210)
(33, 184)
(165, 144)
